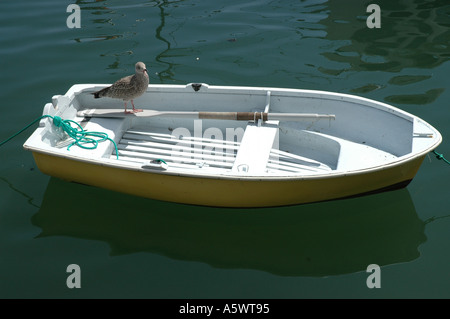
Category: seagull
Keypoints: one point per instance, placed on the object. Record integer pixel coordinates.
(127, 88)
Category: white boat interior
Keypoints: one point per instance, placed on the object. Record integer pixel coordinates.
(364, 134)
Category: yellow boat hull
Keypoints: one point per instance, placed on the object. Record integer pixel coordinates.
(229, 192)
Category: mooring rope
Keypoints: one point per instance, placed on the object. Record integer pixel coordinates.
(82, 138)
(441, 157)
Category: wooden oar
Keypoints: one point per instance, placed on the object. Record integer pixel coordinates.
(237, 116)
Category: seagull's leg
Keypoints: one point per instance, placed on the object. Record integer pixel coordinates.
(125, 102)
(135, 110)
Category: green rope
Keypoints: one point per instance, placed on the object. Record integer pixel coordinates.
(441, 157)
(13, 136)
(81, 137)
(160, 161)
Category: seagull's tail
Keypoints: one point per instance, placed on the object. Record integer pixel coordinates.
(100, 93)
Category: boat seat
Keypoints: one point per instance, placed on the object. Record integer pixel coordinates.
(254, 151)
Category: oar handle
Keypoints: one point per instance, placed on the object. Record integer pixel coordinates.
(237, 116)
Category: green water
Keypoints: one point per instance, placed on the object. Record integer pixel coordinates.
(129, 247)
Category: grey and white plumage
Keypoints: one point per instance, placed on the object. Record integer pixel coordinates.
(127, 88)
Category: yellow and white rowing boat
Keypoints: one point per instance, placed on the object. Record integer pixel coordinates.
(234, 146)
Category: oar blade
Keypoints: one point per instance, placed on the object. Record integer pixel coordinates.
(116, 113)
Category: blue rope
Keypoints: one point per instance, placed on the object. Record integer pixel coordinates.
(441, 157)
(11, 137)
(81, 137)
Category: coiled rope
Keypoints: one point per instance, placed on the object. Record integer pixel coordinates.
(82, 138)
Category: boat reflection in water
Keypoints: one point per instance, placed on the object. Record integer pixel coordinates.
(329, 238)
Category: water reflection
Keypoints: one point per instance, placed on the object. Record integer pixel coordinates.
(29, 199)
(309, 240)
(110, 23)
(413, 33)
(167, 73)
